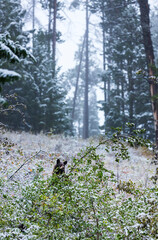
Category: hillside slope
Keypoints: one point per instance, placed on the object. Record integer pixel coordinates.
(44, 150)
(89, 202)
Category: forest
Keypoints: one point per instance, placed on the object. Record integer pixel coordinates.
(44, 98)
(89, 108)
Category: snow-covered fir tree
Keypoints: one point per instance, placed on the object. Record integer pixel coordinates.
(127, 96)
(40, 88)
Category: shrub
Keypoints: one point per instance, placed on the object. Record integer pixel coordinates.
(84, 204)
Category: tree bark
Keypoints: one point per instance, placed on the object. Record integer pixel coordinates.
(145, 24)
(77, 79)
(49, 26)
(86, 110)
(54, 33)
(130, 93)
(33, 23)
(104, 64)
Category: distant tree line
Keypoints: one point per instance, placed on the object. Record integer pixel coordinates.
(125, 72)
(40, 86)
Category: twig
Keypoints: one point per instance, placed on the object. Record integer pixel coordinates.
(89, 151)
(27, 160)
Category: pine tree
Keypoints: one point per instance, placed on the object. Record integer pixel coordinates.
(11, 38)
(54, 7)
(8, 53)
(38, 89)
(41, 92)
(125, 54)
(11, 19)
(150, 59)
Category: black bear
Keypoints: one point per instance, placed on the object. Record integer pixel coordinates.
(59, 168)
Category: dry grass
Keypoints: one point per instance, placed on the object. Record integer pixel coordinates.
(139, 168)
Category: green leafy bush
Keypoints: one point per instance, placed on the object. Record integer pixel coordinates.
(84, 204)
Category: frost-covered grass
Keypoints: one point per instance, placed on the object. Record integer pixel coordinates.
(139, 168)
(26, 146)
(89, 203)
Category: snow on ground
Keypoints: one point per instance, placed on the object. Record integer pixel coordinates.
(41, 150)
(38, 150)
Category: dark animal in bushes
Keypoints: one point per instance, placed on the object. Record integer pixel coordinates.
(59, 168)
(22, 227)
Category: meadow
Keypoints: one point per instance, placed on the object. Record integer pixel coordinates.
(106, 193)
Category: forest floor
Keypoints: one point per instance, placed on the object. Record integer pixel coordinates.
(25, 153)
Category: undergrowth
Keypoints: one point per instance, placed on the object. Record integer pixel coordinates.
(86, 203)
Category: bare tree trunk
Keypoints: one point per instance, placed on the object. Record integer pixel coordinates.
(33, 23)
(104, 63)
(145, 23)
(130, 93)
(77, 79)
(86, 110)
(109, 77)
(123, 98)
(49, 25)
(54, 33)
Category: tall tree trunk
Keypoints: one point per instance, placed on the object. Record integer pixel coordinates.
(86, 110)
(123, 98)
(130, 93)
(123, 105)
(54, 33)
(77, 79)
(104, 63)
(145, 23)
(49, 25)
(33, 23)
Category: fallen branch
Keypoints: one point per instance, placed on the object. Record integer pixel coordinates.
(26, 161)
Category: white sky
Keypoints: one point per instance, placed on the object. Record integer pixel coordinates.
(72, 29)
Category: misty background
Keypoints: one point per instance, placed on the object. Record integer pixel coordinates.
(85, 77)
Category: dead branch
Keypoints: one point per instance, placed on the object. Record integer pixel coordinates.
(26, 161)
